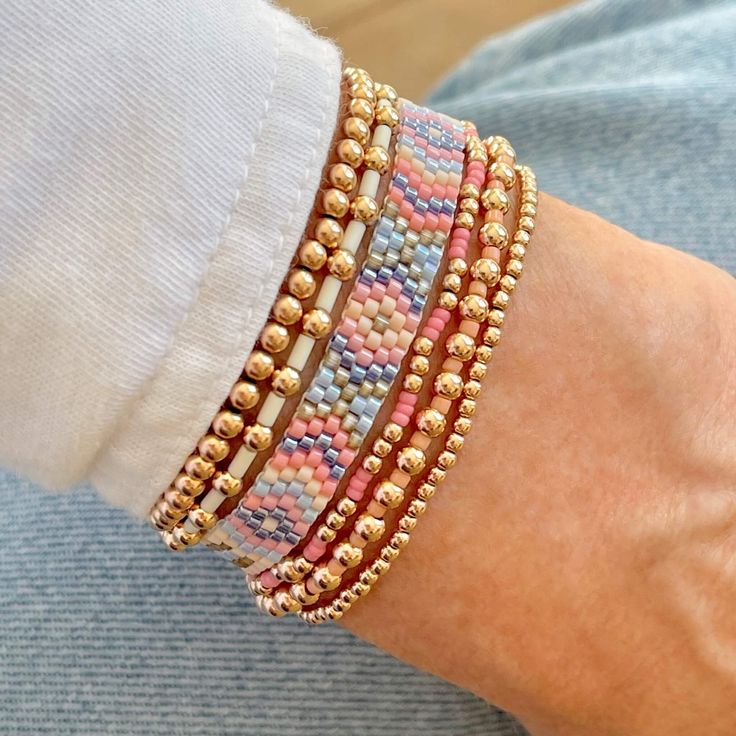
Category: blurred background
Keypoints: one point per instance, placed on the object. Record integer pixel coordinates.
(432, 34)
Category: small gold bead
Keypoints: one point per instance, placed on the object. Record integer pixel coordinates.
(177, 501)
(419, 365)
(522, 238)
(257, 437)
(380, 567)
(381, 447)
(372, 464)
(431, 422)
(369, 528)
(300, 593)
(187, 485)
(365, 209)
(387, 92)
(470, 205)
(436, 476)
(316, 323)
(483, 353)
(487, 271)
(349, 152)
(458, 266)
(446, 459)
(287, 309)
(400, 539)
(362, 109)
(467, 408)
(274, 337)
(244, 395)
(357, 129)
(386, 115)
(492, 335)
(347, 555)
(364, 91)
(474, 307)
(496, 318)
(329, 233)
(460, 346)
(325, 534)
(324, 579)
(301, 283)
(413, 383)
(199, 468)
(447, 300)
(388, 494)
(334, 520)
(368, 578)
(171, 542)
(448, 385)
(478, 371)
(342, 176)
(423, 346)
(227, 424)
(389, 554)
(472, 389)
(285, 381)
(342, 264)
(528, 210)
(411, 460)
(494, 234)
(469, 190)
(514, 267)
(287, 571)
(504, 173)
(377, 158)
(346, 506)
(212, 448)
(455, 442)
(495, 199)
(416, 508)
(285, 602)
(227, 484)
(186, 538)
(465, 220)
(526, 224)
(507, 283)
(452, 282)
(426, 491)
(348, 597)
(259, 365)
(203, 520)
(500, 300)
(462, 425)
(334, 202)
(392, 432)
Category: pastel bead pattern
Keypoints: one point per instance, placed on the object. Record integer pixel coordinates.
(363, 357)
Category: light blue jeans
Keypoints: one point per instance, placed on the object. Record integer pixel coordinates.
(621, 107)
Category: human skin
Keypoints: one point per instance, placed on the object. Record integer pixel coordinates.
(578, 566)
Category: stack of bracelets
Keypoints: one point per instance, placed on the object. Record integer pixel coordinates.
(294, 481)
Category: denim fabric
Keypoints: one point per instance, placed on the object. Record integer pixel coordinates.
(624, 108)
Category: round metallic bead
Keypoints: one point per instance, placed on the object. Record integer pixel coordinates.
(301, 283)
(504, 173)
(386, 115)
(357, 129)
(431, 422)
(436, 476)
(425, 491)
(526, 224)
(369, 528)
(328, 232)
(419, 365)
(203, 520)
(227, 484)
(465, 220)
(335, 520)
(286, 571)
(267, 605)
(287, 309)
(462, 425)
(199, 468)
(158, 522)
(368, 578)
(363, 90)
(484, 353)
(486, 270)
(447, 300)
(500, 300)
(300, 593)
(212, 448)
(528, 210)
(325, 534)
(347, 555)
(285, 381)
(324, 579)
(386, 92)
(478, 371)
(316, 323)
(381, 447)
(274, 337)
(362, 109)
(380, 567)
(257, 437)
(256, 587)
(492, 335)
(472, 389)
(474, 307)
(494, 234)
(467, 407)
(412, 383)
(389, 554)
(448, 385)
(334, 202)
(372, 464)
(171, 542)
(243, 395)
(349, 596)
(423, 346)
(400, 539)
(507, 283)
(187, 485)
(377, 158)
(392, 432)
(460, 346)
(517, 251)
(411, 460)
(365, 209)
(259, 365)
(186, 538)
(454, 442)
(469, 190)
(495, 199)
(286, 603)
(342, 264)
(342, 176)
(416, 508)
(349, 152)
(522, 237)
(496, 318)
(468, 204)
(227, 424)
(177, 501)
(338, 607)
(458, 266)
(388, 494)
(346, 506)
(452, 282)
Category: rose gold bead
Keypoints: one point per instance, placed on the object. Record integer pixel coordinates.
(419, 365)
(492, 335)
(243, 395)
(494, 234)
(287, 309)
(199, 468)
(467, 407)
(324, 579)
(257, 437)
(474, 307)
(425, 491)
(431, 422)
(465, 220)
(285, 381)
(259, 365)
(187, 485)
(423, 346)
(203, 520)
(483, 353)
(334, 202)
(361, 109)
(496, 318)
(342, 176)
(325, 534)
(227, 484)
(448, 385)
(447, 300)
(462, 425)
(347, 555)
(411, 460)
(478, 371)
(349, 152)
(316, 323)
(388, 494)
(504, 173)
(460, 346)
(392, 432)
(372, 464)
(507, 283)
(301, 283)
(412, 383)
(495, 199)
(381, 447)
(212, 448)
(487, 271)
(386, 115)
(274, 337)
(357, 129)
(416, 508)
(177, 501)
(469, 190)
(342, 264)
(377, 158)
(365, 209)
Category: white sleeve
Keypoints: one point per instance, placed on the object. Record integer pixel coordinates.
(158, 162)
